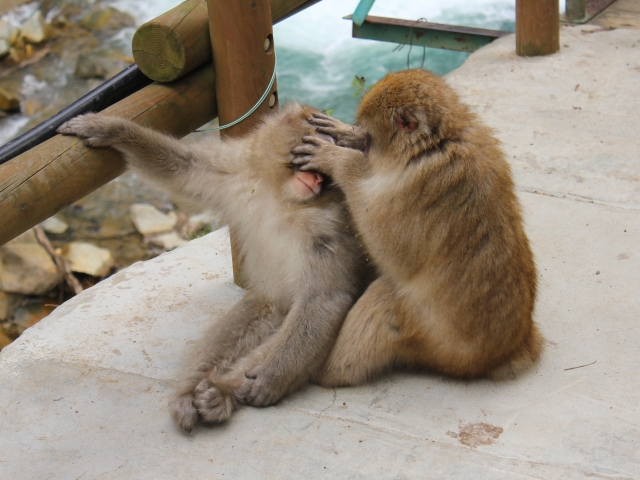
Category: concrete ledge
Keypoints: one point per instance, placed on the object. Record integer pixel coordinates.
(568, 121)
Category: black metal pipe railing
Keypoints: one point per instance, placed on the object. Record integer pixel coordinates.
(128, 81)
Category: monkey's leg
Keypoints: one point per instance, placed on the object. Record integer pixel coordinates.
(368, 340)
(289, 358)
(241, 330)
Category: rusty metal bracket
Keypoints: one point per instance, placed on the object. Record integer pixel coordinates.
(425, 34)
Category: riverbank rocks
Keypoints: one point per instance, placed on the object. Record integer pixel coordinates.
(28, 315)
(9, 302)
(54, 225)
(149, 220)
(35, 29)
(86, 258)
(26, 267)
(8, 32)
(9, 101)
(87, 67)
(107, 19)
(5, 48)
(168, 241)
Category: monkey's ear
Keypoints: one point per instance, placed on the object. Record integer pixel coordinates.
(405, 119)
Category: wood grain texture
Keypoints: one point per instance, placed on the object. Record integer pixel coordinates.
(238, 31)
(178, 41)
(51, 176)
(537, 27)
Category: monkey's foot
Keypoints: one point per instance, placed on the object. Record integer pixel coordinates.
(95, 129)
(215, 403)
(259, 389)
(183, 411)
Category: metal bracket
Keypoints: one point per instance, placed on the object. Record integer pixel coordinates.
(425, 34)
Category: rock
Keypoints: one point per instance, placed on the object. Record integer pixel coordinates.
(60, 21)
(107, 19)
(168, 241)
(54, 225)
(5, 48)
(35, 30)
(9, 101)
(148, 219)
(31, 106)
(87, 258)
(4, 340)
(27, 268)
(30, 314)
(10, 302)
(8, 32)
(88, 68)
(204, 219)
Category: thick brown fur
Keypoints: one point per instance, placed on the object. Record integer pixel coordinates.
(303, 265)
(432, 196)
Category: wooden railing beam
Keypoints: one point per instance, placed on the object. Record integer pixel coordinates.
(51, 176)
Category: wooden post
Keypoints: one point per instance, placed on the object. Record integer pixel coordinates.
(176, 42)
(537, 27)
(244, 61)
(47, 178)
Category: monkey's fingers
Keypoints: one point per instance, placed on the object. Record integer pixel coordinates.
(310, 139)
(304, 164)
(322, 116)
(321, 122)
(303, 150)
(331, 131)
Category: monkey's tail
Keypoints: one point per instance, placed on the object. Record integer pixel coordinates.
(523, 358)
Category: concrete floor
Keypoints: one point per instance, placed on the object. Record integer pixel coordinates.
(84, 392)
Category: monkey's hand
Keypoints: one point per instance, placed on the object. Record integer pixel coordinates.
(97, 130)
(345, 135)
(315, 155)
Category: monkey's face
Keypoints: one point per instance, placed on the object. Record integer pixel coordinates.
(403, 110)
(282, 133)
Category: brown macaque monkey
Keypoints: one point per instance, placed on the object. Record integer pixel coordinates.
(432, 196)
(303, 265)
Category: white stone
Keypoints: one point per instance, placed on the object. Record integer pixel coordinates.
(169, 241)
(27, 268)
(8, 32)
(4, 47)
(148, 219)
(54, 225)
(86, 258)
(34, 30)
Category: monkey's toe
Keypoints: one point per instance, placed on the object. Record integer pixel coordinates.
(214, 405)
(183, 412)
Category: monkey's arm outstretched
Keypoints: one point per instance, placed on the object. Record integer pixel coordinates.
(185, 170)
